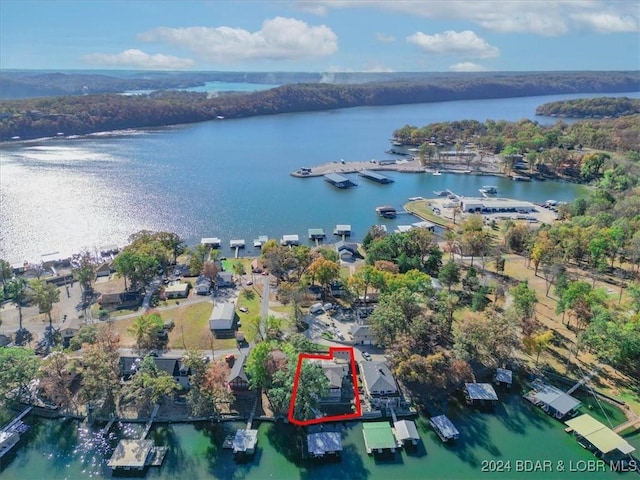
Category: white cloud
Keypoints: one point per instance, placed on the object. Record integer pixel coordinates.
(139, 59)
(606, 22)
(466, 44)
(278, 39)
(543, 17)
(384, 38)
(467, 67)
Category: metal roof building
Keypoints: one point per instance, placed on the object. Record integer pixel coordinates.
(602, 438)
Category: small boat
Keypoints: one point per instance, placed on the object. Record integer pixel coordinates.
(415, 199)
(441, 193)
(397, 144)
(437, 173)
(386, 211)
(489, 189)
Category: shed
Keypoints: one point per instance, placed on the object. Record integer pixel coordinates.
(222, 320)
(237, 379)
(324, 443)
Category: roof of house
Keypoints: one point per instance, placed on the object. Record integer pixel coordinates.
(378, 435)
(178, 287)
(600, 436)
(481, 391)
(364, 330)
(377, 377)
(169, 365)
(203, 281)
(237, 371)
(222, 316)
(225, 276)
(344, 245)
(323, 442)
(406, 430)
(335, 372)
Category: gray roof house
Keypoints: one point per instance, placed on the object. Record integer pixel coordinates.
(335, 373)
(379, 385)
(362, 335)
(347, 250)
(203, 285)
(225, 279)
(222, 320)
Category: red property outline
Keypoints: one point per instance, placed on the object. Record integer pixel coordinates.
(354, 376)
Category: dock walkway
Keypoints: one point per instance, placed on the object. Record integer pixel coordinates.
(149, 423)
(16, 424)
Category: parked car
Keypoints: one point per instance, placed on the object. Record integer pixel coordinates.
(366, 356)
(249, 283)
(244, 309)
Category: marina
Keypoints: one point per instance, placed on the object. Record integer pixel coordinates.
(339, 181)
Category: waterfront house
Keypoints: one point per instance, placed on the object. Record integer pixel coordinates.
(406, 432)
(172, 365)
(598, 438)
(347, 251)
(445, 429)
(380, 387)
(177, 290)
(203, 285)
(224, 279)
(222, 321)
(321, 444)
(378, 437)
(119, 301)
(104, 270)
(480, 394)
(237, 380)
(552, 400)
(362, 335)
(337, 374)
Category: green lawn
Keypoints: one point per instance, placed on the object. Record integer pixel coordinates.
(250, 320)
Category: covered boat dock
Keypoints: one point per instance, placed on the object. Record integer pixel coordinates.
(376, 177)
(552, 400)
(480, 394)
(405, 432)
(598, 438)
(445, 429)
(245, 441)
(321, 444)
(339, 181)
(378, 437)
(136, 455)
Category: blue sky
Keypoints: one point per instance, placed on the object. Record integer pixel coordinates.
(321, 36)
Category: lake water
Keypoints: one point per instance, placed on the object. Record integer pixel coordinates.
(515, 431)
(227, 178)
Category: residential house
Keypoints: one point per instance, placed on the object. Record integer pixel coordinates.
(122, 300)
(177, 290)
(380, 387)
(337, 374)
(69, 330)
(172, 365)
(362, 335)
(222, 321)
(237, 380)
(203, 285)
(225, 280)
(104, 270)
(347, 251)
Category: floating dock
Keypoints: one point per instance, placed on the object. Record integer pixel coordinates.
(260, 241)
(339, 181)
(376, 177)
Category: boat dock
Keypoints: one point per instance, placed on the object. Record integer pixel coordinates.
(376, 177)
(147, 426)
(342, 230)
(10, 433)
(339, 181)
(236, 245)
(213, 242)
(316, 234)
(105, 430)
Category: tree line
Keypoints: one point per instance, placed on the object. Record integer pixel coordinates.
(77, 115)
(591, 107)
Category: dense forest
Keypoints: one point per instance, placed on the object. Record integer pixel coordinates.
(76, 115)
(601, 107)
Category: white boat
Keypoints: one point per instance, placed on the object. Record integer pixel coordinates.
(415, 199)
(489, 189)
(437, 172)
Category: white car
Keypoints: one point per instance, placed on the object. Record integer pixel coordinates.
(366, 356)
(244, 309)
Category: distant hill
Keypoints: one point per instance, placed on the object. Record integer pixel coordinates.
(83, 114)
